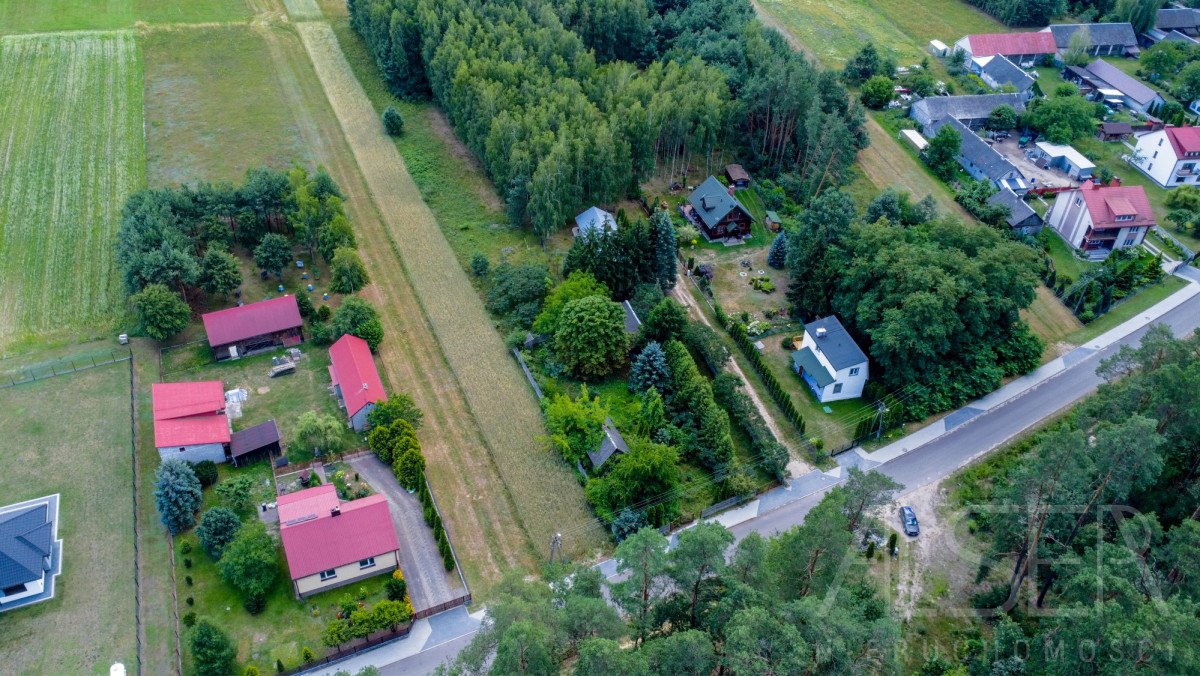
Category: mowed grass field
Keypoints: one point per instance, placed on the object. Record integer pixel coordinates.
(70, 152)
(832, 30)
(91, 621)
(25, 16)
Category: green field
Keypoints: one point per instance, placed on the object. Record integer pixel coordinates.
(24, 16)
(71, 143)
(832, 30)
(90, 622)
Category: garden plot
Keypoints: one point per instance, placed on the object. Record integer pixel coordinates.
(70, 152)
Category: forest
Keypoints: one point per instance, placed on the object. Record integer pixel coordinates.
(573, 103)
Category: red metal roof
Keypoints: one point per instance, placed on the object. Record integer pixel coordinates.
(351, 367)
(189, 413)
(314, 540)
(1106, 203)
(246, 321)
(1011, 44)
(1184, 140)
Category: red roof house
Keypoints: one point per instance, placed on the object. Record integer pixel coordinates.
(238, 331)
(1017, 47)
(1098, 219)
(189, 420)
(1185, 140)
(329, 543)
(356, 381)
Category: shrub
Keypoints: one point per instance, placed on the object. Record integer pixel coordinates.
(393, 121)
(992, 597)
(323, 313)
(212, 651)
(188, 580)
(279, 666)
(255, 603)
(251, 670)
(870, 550)
(187, 563)
(480, 265)
(306, 655)
(396, 587)
(206, 473)
(189, 619)
(190, 601)
(304, 303)
(186, 547)
(177, 495)
(218, 527)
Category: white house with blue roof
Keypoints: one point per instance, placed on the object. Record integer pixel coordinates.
(830, 362)
(30, 552)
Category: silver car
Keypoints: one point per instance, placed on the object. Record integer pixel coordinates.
(909, 519)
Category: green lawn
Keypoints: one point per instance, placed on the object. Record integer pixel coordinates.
(89, 624)
(1139, 302)
(1065, 261)
(285, 627)
(24, 16)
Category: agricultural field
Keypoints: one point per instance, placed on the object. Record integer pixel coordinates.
(89, 464)
(832, 30)
(72, 151)
(24, 16)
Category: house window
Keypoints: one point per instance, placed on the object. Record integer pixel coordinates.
(1124, 218)
(366, 563)
(328, 574)
(182, 449)
(1154, 155)
(1150, 166)
(854, 371)
(1180, 179)
(837, 388)
(1134, 231)
(1160, 142)
(1129, 242)
(1078, 201)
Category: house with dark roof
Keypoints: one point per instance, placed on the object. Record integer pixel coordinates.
(1131, 92)
(1102, 39)
(1181, 24)
(1020, 48)
(1169, 156)
(329, 543)
(830, 362)
(259, 442)
(594, 220)
(1021, 217)
(717, 213)
(246, 329)
(972, 111)
(999, 73)
(30, 552)
(1097, 219)
(981, 161)
(610, 444)
(189, 421)
(356, 382)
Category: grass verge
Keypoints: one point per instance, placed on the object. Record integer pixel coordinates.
(1140, 302)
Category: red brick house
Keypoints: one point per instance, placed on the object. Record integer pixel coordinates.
(246, 329)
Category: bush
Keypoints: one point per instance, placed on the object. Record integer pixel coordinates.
(188, 580)
(206, 473)
(212, 651)
(393, 121)
(279, 666)
(396, 587)
(990, 598)
(323, 313)
(189, 619)
(218, 527)
(255, 603)
(187, 563)
(304, 303)
(186, 547)
(480, 265)
(306, 655)
(251, 670)
(190, 601)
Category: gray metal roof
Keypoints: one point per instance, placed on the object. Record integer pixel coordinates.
(632, 322)
(1172, 19)
(1018, 209)
(596, 219)
(976, 107)
(1005, 72)
(837, 345)
(612, 443)
(1099, 34)
(1129, 86)
(26, 538)
(978, 152)
(807, 362)
(711, 201)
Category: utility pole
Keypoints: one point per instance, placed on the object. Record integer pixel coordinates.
(878, 425)
(556, 547)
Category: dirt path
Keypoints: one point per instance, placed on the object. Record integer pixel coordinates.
(492, 451)
(937, 563)
(685, 295)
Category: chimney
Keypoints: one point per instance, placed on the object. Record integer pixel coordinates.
(1115, 182)
(821, 332)
(731, 191)
(336, 511)
(704, 203)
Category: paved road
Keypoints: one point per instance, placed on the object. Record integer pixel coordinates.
(943, 456)
(428, 583)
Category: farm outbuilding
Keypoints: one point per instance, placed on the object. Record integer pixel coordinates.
(773, 221)
(189, 421)
(914, 139)
(256, 443)
(1066, 159)
(356, 381)
(738, 176)
(246, 329)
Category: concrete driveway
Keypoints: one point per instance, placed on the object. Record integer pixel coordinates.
(428, 583)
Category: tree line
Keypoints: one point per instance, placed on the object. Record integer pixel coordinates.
(569, 104)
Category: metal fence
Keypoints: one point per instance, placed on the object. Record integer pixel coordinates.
(62, 367)
(528, 374)
(463, 600)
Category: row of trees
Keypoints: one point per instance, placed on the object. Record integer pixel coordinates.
(936, 305)
(1023, 12)
(798, 603)
(557, 131)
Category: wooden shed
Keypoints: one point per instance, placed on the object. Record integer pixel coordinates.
(256, 443)
(738, 177)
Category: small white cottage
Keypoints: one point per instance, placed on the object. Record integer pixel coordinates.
(830, 362)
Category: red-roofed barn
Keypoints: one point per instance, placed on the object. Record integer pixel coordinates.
(356, 381)
(1169, 156)
(189, 421)
(329, 543)
(246, 329)
(1097, 219)
(1019, 48)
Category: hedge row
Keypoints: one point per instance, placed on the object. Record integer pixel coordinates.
(780, 395)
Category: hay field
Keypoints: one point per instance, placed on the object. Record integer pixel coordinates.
(70, 152)
(24, 16)
(545, 496)
(90, 622)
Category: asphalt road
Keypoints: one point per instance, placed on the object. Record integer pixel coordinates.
(943, 456)
(428, 660)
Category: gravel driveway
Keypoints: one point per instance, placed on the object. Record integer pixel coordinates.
(428, 583)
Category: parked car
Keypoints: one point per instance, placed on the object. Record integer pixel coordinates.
(908, 518)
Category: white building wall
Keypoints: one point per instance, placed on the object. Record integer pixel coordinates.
(1157, 157)
(194, 453)
(1069, 217)
(346, 574)
(852, 385)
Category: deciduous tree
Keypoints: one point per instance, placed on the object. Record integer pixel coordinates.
(160, 311)
(590, 339)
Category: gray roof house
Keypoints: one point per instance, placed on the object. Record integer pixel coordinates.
(972, 111)
(716, 211)
(1174, 19)
(999, 71)
(1135, 94)
(1021, 217)
(612, 443)
(594, 219)
(1104, 39)
(30, 552)
(982, 161)
(632, 322)
(830, 362)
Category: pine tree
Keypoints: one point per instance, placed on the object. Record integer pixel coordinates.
(777, 256)
(665, 245)
(649, 370)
